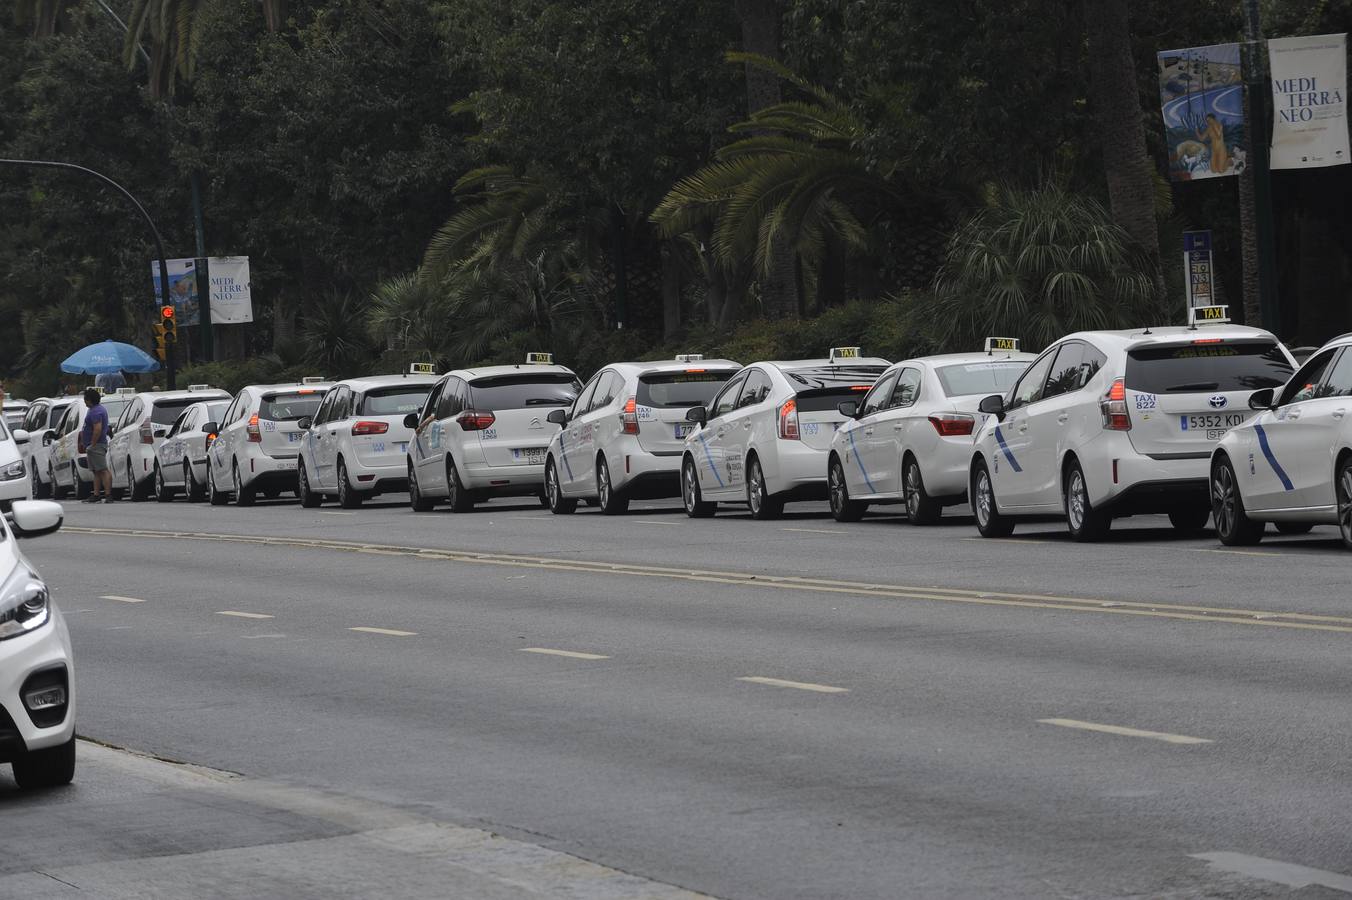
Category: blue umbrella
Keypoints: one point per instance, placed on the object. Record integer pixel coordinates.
(108, 357)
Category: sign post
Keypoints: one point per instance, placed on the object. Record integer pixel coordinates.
(1198, 271)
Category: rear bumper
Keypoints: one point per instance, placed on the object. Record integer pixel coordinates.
(796, 470)
(646, 475)
(945, 469)
(263, 471)
(47, 650)
(503, 480)
(377, 479)
(1143, 484)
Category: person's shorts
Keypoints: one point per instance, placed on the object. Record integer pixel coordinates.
(98, 458)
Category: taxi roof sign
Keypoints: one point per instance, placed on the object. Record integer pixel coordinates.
(689, 357)
(199, 387)
(839, 353)
(539, 359)
(312, 379)
(422, 369)
(126, 390)
(1208, 315)
(1002, 343)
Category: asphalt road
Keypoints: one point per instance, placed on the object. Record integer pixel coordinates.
(792, 709)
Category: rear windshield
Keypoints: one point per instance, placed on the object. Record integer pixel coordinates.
(520, 391)
(394, 401)
(114, 407)
(1227, 366)
(980, 377)
(166, 411)
(286, 407)
(823, 388)
(676, 389)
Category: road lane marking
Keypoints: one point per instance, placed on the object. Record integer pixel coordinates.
(1127, 732)
(334, 512)
(1234, 552)
(392, 632)
(1008, 540)
(1183, 612)
(244, 615)
(813, 531)
(121, 599)
(645, 522)
(1275, 870)
(798, 685)
(569, 653)
(254, 637)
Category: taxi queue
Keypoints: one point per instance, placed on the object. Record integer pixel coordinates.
(1204, 421)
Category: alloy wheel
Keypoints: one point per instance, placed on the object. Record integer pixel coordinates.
(1345, 504)
(913, 491)
(1075, 499)
(1223, 499)
(984, 499)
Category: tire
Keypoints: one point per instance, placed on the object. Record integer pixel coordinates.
(1233, 525)
(348, 496)
(613, 502)
(921, 508)
(990, 522)
(1189, 519)
(192, 491)
(696, 507)
(40, 491)
(308, 498)
(416, 500)
(544, 500)
(1343, 490)
(461, 501)
(1294, 527)
(763, 506)
(82, 490)
(244, 496)
(1083, 521)
(58, 492)
(163, 493)
(215, 496)
(842, 507)
(137, 490)
(49, 768)
(558, 504)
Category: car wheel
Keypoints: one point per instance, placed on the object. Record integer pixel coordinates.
(192, 491)
(558, 504)
(163, 493)
(758, 499)
(1233, 525)
(416, 500)
(842, 507)
(308, 498)
(1189, 519)
(40, 491)
(215, 496)
(990, 522)
(1344, 491)
(921, 508)
(1294, 527)
(47, 768)
(137, 490)
(613, 503)
(1084, 521)
(82, 490)
(348, 497)
(696, 507)
(244, 496)
(461, 501)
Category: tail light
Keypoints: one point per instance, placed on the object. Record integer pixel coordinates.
(629, 418)
(147, 432)
(953, 424)
(370, 428)
(788, 421)
(211, 438)
(255, 436)
(1114, 408)
(474, 420)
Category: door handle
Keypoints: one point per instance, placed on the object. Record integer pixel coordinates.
(1339, 413)
(1062, 418)
(868, 432)
(747, 424)
(1293, 414)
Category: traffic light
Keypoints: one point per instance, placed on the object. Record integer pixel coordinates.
(169, 321)
(160, 332)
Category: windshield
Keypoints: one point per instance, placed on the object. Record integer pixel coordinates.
(1222, 366)
(394, 401)
(677, 389)
(965, 379)
(834, 376)
(288, 407)
(166, 411)
(520, 391)
(114, 407)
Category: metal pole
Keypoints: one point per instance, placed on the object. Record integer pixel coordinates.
(1255, 78)
(155, 232)
(200, 267)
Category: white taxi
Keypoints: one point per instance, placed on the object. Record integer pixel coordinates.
(1291, 462)
(764, 439)
(141, 429)
(625, 433)
(14, 412)
(43, 416)
(484, 432)
(910, 438)
(356, 444)
(69, 467)
(1113, 423)
(37, 667)
(181, 457)
(13, 469)
(258, 441)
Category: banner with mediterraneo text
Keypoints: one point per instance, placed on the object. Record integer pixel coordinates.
(231, 292)
(1309, 101)
(1202, 99)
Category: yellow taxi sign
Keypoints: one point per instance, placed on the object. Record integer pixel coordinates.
(539, 359)
(422, 369)
(1002, 343)
(689, 357)
(1199, 315)
(839, 353)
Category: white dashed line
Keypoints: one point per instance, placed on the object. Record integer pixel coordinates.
(390, 631)
(121, 599)
(243, 615)
(569, 653)
(798, 685)
(813, 531)
(1126, 732)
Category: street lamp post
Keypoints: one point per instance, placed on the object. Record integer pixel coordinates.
(155, 232)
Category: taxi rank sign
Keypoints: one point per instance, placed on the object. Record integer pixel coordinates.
(1197, 268)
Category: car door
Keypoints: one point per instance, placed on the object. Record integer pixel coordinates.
(313, 441)
(584, 436)
(860, 462)
(1050, 423)
(326, 436)
(425, 449)
(570, 452)
(223, 448)
(1011, 471)
(894, 420)
(715, 476)
(743, 434)
(1293, 469)
(168, 455)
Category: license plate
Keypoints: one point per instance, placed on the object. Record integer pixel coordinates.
(531, 456)
(286, 463)
(293, 436)
(683, 431)
(1214, 424)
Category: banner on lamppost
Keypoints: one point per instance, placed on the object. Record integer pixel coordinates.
(1309, 101)
(1202, 99)
(1198, 272)
(182, 289)
(231, 292)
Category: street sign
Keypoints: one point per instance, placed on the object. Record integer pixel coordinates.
(1198, 271)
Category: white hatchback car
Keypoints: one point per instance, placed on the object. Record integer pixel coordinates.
(625, 433)
(140, 430)
(910, 438)
(1291, 463)
(1113, 423)
(356, 445)
(181, 457)
(37, 667)
(43, 415)
(483, 432)
(258, 441)
(764, 439)
(69, 467)
(13, 469)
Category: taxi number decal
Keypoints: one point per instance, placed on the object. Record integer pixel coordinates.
(811, 428)
(1146, 401)
(378, 446)
(490, 434)
(646, 413)
(269, 425)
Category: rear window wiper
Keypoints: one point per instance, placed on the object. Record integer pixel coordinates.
(536, 401)
(1193, 386)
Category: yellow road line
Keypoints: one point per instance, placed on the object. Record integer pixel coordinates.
(798, 685)
(1126, 732)
(121, 599)
(243, 615)
(569, 653)
(390, 631)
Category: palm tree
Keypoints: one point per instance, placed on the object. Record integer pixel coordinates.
(173, 30)
(332, 335)
(47, 16)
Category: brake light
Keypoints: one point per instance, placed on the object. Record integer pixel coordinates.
(860, 387)
(255, 437)
(147, 432)
(953, 424)
(474, 420)
(369, 428)
(629, 418)
(788, 421)
(1113, 406)
(1207, 341)
(211, 437)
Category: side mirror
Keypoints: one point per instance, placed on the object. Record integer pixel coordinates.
(994, 405)
(211, 427)
(21, 436)
(34, 518)
(697, 414)
(112, 430)
(1262, 399)
(161, 432)
(848, 408)
(304, 422)
(47, 438)
(558, 416)
(411, 420)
